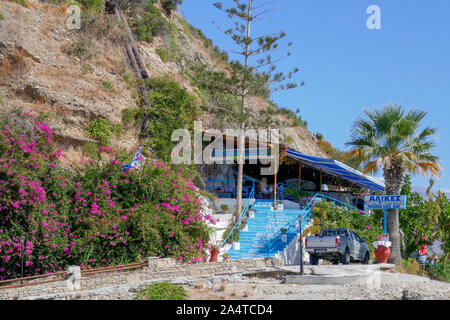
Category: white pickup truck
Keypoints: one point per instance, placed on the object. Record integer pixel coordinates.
(337, 245)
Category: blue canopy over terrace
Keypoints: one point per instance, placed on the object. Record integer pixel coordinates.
(339, 169)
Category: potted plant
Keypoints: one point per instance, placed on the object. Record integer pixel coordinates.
(226, 257)
(244, 225)
(215, 250)
(382, 248)
(224, 208)
(251, 213)
(284, 234)
(233, 238)
(280, 205)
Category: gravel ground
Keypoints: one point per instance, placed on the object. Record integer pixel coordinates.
(392, 287)
(271, 286)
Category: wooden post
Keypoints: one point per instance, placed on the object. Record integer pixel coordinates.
(275, 186)
(299, 175)
(321, 179)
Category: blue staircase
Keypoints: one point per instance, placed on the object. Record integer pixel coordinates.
(263, 238)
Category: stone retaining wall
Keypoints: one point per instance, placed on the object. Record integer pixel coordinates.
(156, 269)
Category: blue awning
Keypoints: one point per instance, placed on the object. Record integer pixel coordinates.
(337, 168)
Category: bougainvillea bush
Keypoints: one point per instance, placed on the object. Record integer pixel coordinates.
(98, 217)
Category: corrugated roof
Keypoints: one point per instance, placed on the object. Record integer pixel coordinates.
(337, 168)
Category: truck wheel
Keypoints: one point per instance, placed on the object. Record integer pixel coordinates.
(313, 260)
(366, 258)
(345, 258)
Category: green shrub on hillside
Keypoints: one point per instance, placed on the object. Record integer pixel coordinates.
(162, 54)
(162, 291)
(107, 85)
(170, 5)
(22, 2)
(297, 120)
(100, 129)
(128, 117)
(92, 5)
(169, 107)
(339, 155)
(1, 17)
(149, 25)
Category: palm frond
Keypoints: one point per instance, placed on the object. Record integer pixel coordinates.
(389, 134)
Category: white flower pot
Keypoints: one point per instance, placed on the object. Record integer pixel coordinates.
(236, 246)
(245, 229)
(251, 214)
(280, 207)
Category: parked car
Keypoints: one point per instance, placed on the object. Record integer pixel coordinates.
(337, 245)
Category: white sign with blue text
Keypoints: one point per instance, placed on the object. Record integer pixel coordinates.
(384, 202)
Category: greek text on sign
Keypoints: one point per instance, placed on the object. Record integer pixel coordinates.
(384, 202)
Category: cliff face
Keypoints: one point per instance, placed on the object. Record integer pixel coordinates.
(45, 66)
(37, 73)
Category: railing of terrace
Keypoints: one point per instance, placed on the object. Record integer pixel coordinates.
(227, 188)
(306, 214)
(335, 201)
(285, 194)
(241, 217)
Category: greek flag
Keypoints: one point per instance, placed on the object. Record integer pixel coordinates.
(133, 162)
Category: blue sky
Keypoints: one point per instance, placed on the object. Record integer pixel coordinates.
(347, 67)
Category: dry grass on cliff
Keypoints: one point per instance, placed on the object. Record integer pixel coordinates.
(57, 11)
(14, 65)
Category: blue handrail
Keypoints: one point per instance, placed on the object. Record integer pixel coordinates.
(238, 223)
(319, 195)
(288, 227)
(311, 204)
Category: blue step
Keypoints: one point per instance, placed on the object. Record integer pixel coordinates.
(264, 226)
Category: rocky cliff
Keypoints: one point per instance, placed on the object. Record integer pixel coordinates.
(76, 78)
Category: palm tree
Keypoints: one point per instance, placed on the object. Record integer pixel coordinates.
(390, 140)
